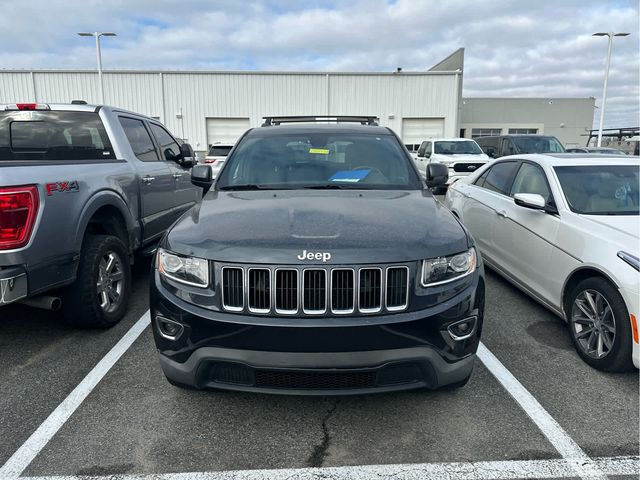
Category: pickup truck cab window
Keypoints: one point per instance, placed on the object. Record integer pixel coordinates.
(53, 135)
(169, 148)
(140, 140)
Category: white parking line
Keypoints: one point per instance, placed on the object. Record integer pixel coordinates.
(21, 459)
(561, 441)
(516, 469)
(574, 460)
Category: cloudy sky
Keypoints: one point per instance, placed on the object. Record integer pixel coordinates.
(513, 48)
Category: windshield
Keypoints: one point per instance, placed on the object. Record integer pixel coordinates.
(601, 189)
(318, 160)
(220, 151)
(468, 147)
(537, 144)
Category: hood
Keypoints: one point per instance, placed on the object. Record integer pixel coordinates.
(626, 227)
(354, 227)
(461, 157)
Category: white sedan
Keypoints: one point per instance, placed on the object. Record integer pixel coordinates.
(566, 230)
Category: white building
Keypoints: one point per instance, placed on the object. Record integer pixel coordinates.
(204, 107)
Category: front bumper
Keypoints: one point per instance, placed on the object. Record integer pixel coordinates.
(318, 356)
(13, 285)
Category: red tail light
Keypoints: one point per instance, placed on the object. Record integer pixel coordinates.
(27, 106)
(210, 161)
(18, 210)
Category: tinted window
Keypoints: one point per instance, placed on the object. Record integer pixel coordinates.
(467, 147)
(537, 145)
(508, 148)
(319, 160)
(531, 179)
(51, 135)
(219, 151)
(601, 189)
(498, 178)
(168, 146)
(139, 138)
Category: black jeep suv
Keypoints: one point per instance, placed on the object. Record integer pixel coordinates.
(319, 262)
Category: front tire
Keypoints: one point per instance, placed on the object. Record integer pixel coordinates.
(600, 326)
(100, 294)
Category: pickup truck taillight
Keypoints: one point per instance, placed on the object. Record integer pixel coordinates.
(18, 211)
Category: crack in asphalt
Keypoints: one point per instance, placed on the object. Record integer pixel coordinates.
(316, 459)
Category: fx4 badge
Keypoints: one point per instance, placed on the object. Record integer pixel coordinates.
(68, 186)
(324, 256)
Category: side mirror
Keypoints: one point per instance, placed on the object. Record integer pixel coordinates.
(437, 174)
(530, 200)
(201, 176)
(427, 154)
(187, 157)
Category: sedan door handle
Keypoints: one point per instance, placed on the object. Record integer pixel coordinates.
(177, 175)
(502, 213)
(148, 179)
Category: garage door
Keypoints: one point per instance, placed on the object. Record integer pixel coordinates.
(225, 130)
(415, 130)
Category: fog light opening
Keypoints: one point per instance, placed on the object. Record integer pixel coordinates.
(169, 329)
(462, 329)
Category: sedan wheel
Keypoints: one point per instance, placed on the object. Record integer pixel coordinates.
(600, 325)
(593, 323)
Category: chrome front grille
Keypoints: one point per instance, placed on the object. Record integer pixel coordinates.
(314, 291)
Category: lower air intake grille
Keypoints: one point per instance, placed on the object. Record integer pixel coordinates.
(397, 289)
(314, 291)
(232, 288)
(314, 380)
(259, 290)
(370, 290)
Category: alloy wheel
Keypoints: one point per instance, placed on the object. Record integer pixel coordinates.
(110, 281)
(593, 323)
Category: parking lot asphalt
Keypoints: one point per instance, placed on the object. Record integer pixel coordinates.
(136, 422)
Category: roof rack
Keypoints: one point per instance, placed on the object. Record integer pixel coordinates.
(362, 120)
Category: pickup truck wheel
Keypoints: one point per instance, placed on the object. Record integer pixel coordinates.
(99, 296)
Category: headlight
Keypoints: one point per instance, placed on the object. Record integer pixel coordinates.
(188, 270)
(436, 271)
(630, 259)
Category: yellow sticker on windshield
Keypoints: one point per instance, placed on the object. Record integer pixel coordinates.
(322, 151)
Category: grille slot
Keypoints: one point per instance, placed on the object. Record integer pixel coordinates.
(314, 291)
(314, 380)
(286, 291)
(397, 288)
(466, 167)
(233, 289)
(259, 290)
(342, 291)
(370, 298)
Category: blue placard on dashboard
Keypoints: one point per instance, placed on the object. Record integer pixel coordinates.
(350, 175)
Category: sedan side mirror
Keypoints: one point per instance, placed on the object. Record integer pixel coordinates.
(530, 200)
(437, 174)
(187, 157)
(201, 176)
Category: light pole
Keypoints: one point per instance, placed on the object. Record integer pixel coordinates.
(606, 77)
(99, 55)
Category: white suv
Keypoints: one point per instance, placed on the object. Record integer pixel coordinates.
(216, 156)
(463, 156)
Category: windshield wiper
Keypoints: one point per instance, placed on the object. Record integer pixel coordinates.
(249, 186)
(335, 186)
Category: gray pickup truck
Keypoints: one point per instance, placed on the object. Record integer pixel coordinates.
(82, 189)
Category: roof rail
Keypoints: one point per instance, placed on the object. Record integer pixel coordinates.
(362, 120)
